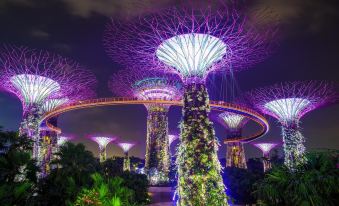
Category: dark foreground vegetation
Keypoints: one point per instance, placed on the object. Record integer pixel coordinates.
(77, 178)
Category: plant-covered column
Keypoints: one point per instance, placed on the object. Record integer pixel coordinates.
(126, 164)
(200, 182)
(235, 155)
(157, 145)
(294, 148)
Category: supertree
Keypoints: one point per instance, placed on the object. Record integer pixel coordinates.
(63, 139)
(36, 77)
(102, 141)
(288, 102)
(126, 146)
(192, 43)
(266, 148)
(235, 154)
(151, 85)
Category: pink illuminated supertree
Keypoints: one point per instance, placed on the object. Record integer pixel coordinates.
(102, 141)
(126, 146)
(36, 77)
(192, 43)
(266, 148)
(288, 102)
(151, 85)
(235, 153)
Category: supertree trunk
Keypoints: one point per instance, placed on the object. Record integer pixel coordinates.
(126, 164)
(266, 162)
(102, 154)
(199, 179)
(49, 148)
(235, 155)
(294, 148)
(157, 145)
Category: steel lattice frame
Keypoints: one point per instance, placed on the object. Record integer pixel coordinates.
(288, 102)
(35, 77)
(192, 43)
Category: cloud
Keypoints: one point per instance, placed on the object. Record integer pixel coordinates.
(125, 8)
(39, 34)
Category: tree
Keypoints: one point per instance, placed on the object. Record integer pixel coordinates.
(17, 169)
(61, 187)
(315, 183)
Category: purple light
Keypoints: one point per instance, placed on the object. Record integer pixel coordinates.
(233, 120)
(102, 141)
(146, 85)
(33, 76)
(289, 101)
(63, 139)
(265, 147)
(125, 146)
(190, 45)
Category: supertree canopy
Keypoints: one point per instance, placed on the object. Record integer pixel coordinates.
(63, 139)
(288, 102)
(235, 153)
(102, 142)
(151, 85)
(193, 43)
(172, 138)
(266, 148)
(126, 146)
(35, 77)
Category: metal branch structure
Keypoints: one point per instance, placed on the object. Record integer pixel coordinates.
(266, 148)
(102, 141)
(37, 77)
(193, 43)
(235, 153)
(289, 102)
(147, 85)
(126, 146)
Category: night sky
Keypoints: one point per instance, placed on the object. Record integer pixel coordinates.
(308, 50)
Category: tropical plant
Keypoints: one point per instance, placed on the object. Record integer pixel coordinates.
(316, 183)
(106, 192)
(17, 169)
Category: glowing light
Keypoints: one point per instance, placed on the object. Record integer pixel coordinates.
(51, 104)
(191, 54)
(172, 138)
(62, 140)
(232, 120)
(34, 88)
(265, 147)
(126, 146)
(155, 88)
(102, 141)
(288, 109)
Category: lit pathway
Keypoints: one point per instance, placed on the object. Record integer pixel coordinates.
(161, 196)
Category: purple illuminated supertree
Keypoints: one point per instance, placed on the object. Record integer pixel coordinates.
(102, 142)
(126, 146)
(35, 77)
(63, 139)
(193, 43)
(172, 138)
(146, 85)
(266, 148)
(288, 102)
(235, 155)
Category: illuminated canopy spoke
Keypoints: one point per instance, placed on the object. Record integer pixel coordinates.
(51, 104)
(265, 147)
(232, 120)
(172, 138)
(62, 140)
(102, 141)
(126, 146)
(191, 54)
(34, 88)
(288, 109)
